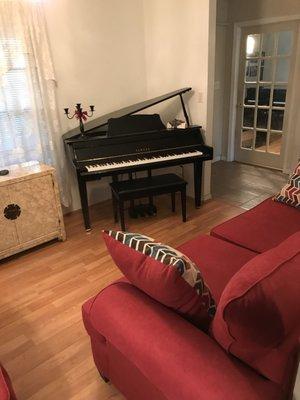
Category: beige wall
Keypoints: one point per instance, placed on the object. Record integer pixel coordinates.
(114, 53)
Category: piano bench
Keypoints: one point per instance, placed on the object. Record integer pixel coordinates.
(147, 187)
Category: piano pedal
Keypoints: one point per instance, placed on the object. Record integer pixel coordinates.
(141, 210)
(151, 209)
(133, 213)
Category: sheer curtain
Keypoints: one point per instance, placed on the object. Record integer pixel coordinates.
(29, 123)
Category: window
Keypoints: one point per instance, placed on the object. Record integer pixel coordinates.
(29, 121)
(19, 135)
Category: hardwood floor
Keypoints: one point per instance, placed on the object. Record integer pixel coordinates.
(43, 344)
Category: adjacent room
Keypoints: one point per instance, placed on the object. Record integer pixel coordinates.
(149, 200)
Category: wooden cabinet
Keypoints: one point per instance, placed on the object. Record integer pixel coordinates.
(30, 210)
(8, 233)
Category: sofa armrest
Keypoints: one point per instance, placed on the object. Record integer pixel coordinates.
(179, 359)
(6, 389)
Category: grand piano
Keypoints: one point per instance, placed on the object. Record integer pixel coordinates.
(123, 142)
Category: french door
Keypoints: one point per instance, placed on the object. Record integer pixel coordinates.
(265, 80)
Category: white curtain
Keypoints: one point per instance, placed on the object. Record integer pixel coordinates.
(29, 123)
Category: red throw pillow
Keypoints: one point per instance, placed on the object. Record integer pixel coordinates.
(290, 193)
(163, 273)
(258, 316)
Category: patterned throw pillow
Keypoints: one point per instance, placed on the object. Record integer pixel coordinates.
(163, 273)
(290, 193)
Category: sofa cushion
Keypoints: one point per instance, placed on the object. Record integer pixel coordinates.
(163, 273)
(290, 193)
(217, 259)
(258, 316)
(262, 227)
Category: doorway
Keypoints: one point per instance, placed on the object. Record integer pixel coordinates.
(266, 66)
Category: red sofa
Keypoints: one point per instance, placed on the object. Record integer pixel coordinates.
(151, 353)
(6, 389)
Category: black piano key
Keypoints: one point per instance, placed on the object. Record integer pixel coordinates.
(127, 160)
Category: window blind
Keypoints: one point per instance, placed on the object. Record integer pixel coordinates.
(19, 139)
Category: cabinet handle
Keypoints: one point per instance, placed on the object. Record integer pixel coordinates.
(12, 211)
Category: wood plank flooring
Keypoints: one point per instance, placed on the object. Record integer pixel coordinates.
(43, 343)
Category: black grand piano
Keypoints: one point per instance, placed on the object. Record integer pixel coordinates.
(122, 142)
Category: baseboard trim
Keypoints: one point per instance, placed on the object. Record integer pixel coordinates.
(219, 158)
(207, 197)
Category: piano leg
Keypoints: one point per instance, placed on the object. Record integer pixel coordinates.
(150, 197)
(173, 201)
(114, 201)
(122, 217)
(197, 182)
(183, 204)
(84, 201)
(130, 177)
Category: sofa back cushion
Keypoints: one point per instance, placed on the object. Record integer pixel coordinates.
(258, 316)
(163, 273)
(262, 227)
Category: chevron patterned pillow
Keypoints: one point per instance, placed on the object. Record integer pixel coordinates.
(290, 193)
(163, 273)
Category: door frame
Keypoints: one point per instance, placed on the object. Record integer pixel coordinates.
(237, 36)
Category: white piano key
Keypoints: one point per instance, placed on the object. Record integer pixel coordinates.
(130, 163)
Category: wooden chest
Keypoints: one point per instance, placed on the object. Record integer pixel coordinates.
(30, 209)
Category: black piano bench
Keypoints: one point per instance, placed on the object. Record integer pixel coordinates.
(145, 187)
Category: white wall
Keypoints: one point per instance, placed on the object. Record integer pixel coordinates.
(179, 43)
(220, 84)
(114, 53)
(98, 54)
(220, 70)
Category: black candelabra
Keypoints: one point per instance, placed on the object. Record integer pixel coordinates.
(80, 115)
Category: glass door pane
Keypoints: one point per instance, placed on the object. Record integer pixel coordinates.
(267, 66)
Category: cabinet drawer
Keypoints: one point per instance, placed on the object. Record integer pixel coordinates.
(39, 216)
(8, 232)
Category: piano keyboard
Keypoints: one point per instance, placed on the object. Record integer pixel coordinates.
(141, 161)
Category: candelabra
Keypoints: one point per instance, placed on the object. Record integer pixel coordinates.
(80, 115)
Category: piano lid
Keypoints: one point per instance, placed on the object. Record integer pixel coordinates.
(100, 122)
